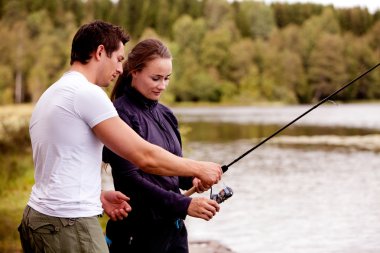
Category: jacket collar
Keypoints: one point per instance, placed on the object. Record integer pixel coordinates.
(139, 99)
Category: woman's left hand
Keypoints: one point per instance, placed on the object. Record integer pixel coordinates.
(203, 208)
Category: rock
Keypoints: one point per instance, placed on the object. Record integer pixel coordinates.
(207, 247)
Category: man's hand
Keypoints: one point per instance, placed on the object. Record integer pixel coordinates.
(210, 173)
(203, 208)
(115, 204)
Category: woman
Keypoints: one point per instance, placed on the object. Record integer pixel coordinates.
(156, 221)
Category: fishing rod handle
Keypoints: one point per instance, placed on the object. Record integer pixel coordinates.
(190, 192)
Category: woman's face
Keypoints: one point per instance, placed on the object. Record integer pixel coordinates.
(154, 78)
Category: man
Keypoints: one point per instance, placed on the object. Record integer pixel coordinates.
(69, 125)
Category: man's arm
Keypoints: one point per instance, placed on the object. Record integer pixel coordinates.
(125, 142)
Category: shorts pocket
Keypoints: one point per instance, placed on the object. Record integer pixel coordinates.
(44, 227)
(44, 236)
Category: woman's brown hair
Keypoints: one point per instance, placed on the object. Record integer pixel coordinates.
(144, 52)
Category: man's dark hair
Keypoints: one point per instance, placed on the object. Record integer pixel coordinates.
(90, 36)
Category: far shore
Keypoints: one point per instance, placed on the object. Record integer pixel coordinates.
(329, 114)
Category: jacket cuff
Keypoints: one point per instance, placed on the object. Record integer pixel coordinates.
(183, 206)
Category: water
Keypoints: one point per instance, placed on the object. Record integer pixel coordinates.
(290, 198)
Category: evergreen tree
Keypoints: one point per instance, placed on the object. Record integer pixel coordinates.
(296, 14)
(356, 20)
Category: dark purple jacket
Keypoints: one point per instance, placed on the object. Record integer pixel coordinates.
(154, 199)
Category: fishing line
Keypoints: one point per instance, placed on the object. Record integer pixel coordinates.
(333, 102)
(225, 167)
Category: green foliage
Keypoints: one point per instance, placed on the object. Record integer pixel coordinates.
(286, 14)
(313, 29)
(194, 83)
(6, 79)
(360, 58)
(2, 2)
(205, 87)
(222, 42)
(216, 12)
(254, 19)
(44, 71)
(16, 180)
(290, 38)
(12, 167)
(374, 38)
(251, 87)
(327, 67)
(289, 76)
(189, 33)
(355, 20)
(238, 64)
(214, 48)
(16, 173)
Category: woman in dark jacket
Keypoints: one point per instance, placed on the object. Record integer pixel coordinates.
(158, 207)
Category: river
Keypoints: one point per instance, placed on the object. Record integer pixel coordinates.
(315, 188)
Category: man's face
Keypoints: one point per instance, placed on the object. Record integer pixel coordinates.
(111, 67)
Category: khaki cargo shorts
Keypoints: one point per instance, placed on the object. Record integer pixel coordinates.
(43, 233)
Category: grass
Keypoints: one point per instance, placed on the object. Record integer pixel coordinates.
(16, 172)
(14, 197)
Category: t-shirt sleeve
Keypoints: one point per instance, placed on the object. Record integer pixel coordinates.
(93, 105)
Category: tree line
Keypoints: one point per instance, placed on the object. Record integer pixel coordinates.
(223, 51)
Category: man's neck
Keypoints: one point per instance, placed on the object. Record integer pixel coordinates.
(85, 69)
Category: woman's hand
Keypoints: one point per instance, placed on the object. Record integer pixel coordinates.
(203, 208)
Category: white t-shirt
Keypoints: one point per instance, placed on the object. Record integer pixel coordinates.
(67, 155)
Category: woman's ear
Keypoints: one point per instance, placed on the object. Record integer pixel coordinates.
(134, 73)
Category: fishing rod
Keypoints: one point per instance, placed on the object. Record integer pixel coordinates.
(225, 167)
(227, 191)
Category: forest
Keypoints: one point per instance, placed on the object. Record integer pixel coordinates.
(223, 51)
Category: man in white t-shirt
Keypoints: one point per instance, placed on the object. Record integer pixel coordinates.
(69, 125)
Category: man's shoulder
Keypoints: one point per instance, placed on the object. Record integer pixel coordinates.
(77, 80)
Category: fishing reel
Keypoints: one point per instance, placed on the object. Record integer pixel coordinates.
(222, 195)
